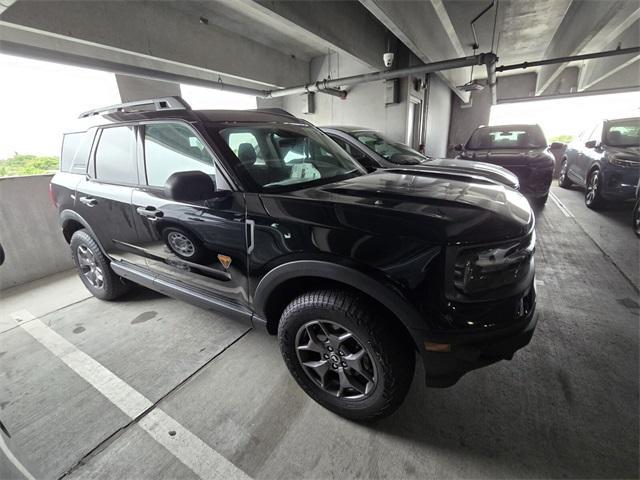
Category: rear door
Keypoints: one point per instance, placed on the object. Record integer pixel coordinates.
(200, 244)
(103, 198)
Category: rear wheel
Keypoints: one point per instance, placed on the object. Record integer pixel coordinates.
(593, 195)
(563, 179)
(94, 268)
(345, 355)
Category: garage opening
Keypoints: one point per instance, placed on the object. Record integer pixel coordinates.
(562, 119)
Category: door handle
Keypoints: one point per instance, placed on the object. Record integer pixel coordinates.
(152, 213)
(250, 242)
(88, 201)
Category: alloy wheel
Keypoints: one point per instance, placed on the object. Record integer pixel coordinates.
(181, 244)
(592, 187)
(89, 268)
(335, 360)
(563, 172)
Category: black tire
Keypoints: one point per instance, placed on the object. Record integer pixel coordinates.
(542, 201)
(563, 178)
(593, 193)
(636, 218)
(184, 244)
(389, 354)
(104, 283)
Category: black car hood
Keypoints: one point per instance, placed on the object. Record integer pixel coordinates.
(488, 170)
(434, 207)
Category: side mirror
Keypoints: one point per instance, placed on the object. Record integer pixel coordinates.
(591, 144)
(557, 146)
(458, 147)
(191, 186)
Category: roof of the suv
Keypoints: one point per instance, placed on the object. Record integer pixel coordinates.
(347, 129)
(120, 113)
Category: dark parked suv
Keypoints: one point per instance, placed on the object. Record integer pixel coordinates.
(605, 159)
(521, 149)
(261, 216)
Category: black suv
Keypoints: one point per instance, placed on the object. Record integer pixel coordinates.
(261, 216)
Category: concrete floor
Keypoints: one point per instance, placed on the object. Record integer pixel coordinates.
(566, 406)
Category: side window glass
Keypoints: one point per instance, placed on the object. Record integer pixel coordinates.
(116, 156)
(247, 142)
(171, 148)
(596, 134)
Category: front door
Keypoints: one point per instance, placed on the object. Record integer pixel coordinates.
(103, 199)
(200, 244)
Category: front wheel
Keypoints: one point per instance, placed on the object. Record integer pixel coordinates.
(563, 179)
(94, 268)
(593, 195)
(345, 355)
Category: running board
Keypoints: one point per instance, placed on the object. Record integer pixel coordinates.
(179, 292)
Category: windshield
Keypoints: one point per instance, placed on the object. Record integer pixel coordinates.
(510, 136)
(623, 133)
(279, 157)
(388, 149)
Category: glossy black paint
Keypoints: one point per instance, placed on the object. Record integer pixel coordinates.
(533, 166)
(619, 166)
(392, 235)
(369, 158)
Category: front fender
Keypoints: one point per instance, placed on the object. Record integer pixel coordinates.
(386, 294)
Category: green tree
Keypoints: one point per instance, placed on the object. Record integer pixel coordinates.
(27, 165)
(562, 138)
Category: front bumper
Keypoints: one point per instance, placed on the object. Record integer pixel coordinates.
(620, 183)
(472, 350)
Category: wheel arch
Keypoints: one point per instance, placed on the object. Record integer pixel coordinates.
(71, 222)
(282, 284)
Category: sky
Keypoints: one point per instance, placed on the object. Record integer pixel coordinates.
(568, 116)
(39, 101)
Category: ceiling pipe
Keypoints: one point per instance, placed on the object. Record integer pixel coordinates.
(480, 59)
(551, 61)
(336, 92)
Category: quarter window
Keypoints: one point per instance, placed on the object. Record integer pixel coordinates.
(116, 156)
(171, 148)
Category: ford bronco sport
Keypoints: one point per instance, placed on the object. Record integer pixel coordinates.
(261, 216)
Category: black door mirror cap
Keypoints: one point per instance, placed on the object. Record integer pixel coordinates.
(190, 186)
(591, 144)
(458, 147)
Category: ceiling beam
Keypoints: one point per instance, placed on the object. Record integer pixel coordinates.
(596, 71)
(586, 27)
(158, 31)
(339, 26)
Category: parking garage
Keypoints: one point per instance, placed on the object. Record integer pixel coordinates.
(153, 386)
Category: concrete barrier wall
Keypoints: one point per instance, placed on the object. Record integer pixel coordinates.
(29, 231)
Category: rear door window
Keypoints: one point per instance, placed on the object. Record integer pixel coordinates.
(116, 156)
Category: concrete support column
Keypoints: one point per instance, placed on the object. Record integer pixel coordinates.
(137, 88)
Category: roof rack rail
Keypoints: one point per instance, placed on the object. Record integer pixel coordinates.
(152, 104)
(279, 111)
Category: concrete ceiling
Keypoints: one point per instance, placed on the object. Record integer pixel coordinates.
(270, 43)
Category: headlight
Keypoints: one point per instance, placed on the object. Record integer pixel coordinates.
(615, 160)
(481, 270)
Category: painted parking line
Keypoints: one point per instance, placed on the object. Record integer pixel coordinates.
(560, 205)
(168, 432)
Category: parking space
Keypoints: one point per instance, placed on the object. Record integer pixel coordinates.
(565, 406)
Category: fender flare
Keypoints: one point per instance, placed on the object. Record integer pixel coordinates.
(69, 215)
(372, 287)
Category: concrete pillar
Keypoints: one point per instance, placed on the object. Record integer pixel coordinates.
(137, 88)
